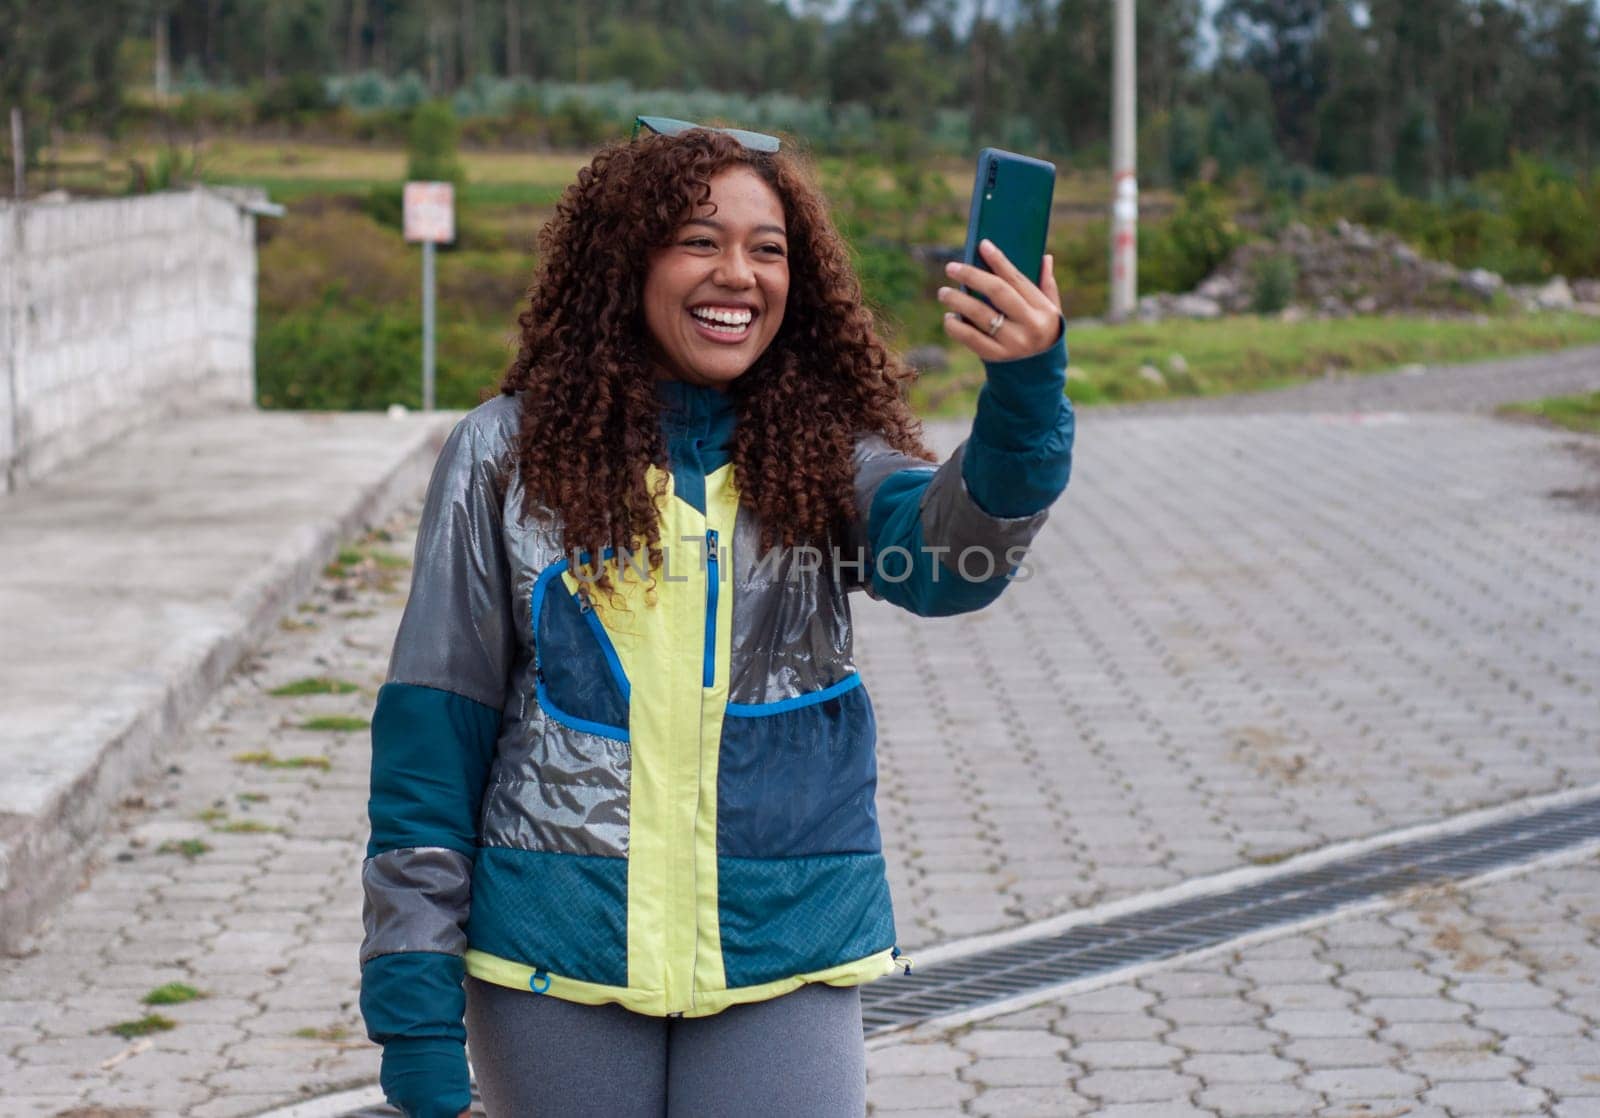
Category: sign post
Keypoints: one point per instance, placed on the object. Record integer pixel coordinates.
(430, 218)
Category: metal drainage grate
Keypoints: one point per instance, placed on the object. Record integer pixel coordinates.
(972, 981)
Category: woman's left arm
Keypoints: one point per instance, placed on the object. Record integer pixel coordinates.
(945, 541)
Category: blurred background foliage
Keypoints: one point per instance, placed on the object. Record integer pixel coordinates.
(1466, 127)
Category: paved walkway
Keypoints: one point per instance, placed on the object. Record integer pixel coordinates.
(1245, 636)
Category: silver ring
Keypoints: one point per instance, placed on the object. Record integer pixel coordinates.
(999, 321)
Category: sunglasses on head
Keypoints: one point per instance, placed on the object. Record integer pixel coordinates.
(667, 126)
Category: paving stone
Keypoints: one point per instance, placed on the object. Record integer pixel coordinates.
(1566, 1080)
(1497, 1098)
(1126, 1054)
(1029, 1102)
(1363, 1083)
(1318, 1023)
(1435, 1034)
(889, 1093)
(1083, 1027)
(1223, 1038)
(1340, 1052)
(1257, 1100)
(1210, 1011)
(1215, 1068)
(1013, 1042)
(995, 1071)
(1142, 1085)
(1529, 1022)
(918, 1059)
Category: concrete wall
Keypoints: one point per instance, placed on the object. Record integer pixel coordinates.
(116, 312)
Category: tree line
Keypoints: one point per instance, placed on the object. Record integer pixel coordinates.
(1426, 91)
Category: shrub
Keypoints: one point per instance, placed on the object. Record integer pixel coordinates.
(1275, 278)
(371, 267)
(1178, 254)
(292, 99)
(431, 145)
(331, 357)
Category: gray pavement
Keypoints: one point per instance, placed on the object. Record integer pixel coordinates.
(132, 583)
(1245, 636)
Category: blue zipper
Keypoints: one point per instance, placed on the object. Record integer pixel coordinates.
(710, 674)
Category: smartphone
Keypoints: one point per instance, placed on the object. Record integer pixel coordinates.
(1011, 196)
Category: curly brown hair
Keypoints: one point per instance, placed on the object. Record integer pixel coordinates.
(590, 414)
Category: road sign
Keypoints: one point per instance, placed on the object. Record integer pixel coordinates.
(430, 212)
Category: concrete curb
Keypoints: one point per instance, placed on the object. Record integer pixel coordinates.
(43, 853)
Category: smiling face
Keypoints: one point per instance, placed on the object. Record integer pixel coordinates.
(714, 296)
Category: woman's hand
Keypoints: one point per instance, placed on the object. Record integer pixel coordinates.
(1032, 315)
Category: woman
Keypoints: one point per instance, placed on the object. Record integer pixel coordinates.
(623, 768)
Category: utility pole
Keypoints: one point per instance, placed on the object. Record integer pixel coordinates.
(1124, 184)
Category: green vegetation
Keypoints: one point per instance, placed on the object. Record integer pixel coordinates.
(144, 1026)
(266, 759)
(1575, 413)
(335, 723)
(1275, 279)
(431, 150)
(332, 1034)
(1251, 354)
(173, 993)
(189, 848)
(315, 685)
(246, 827)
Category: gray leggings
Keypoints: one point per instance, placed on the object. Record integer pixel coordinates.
(797, 1056)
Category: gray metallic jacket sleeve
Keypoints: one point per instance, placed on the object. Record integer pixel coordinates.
(438, 715)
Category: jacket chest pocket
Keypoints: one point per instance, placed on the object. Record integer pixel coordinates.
(581, 682)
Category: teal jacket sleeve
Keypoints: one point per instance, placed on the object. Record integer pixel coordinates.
(946, 540)
(433, 739)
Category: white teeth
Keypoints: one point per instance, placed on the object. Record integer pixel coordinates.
(728, 318)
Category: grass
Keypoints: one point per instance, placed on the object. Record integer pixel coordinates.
(268, 760)
(1575, 413)
(144, 1026)
(189, 848)
(173, 993)
(335, 723)
(350, 559)
(314, 685)
(332, 1034)
(1252, 354)
(246, 827)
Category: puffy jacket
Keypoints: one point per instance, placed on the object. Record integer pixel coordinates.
(664, 800)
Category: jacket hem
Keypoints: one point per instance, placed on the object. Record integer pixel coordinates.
(519, 976)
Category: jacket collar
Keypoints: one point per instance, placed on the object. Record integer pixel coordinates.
(695, 412)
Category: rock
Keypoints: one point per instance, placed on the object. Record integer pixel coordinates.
(1367, 304)
(1481, 282)
(1404, 254)
(1413, 370)
(1292, 313)
(1555, 295)
(1195, 306)
(397, 411)
(1177, 365)
(1586, 290)
(928, 358)
(1153, 375)
(1217, 286)
(1332, 307)
(1296, 233)
(1354, 235)
(1151, 308)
